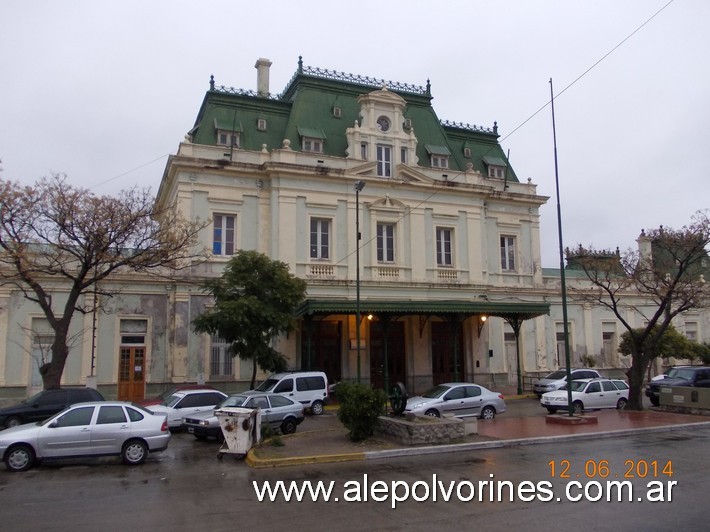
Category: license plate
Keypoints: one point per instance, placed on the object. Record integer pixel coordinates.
(191, 430)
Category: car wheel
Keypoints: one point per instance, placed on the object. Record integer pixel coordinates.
(134, 452)
(13, 421)
(621, 404)
(577, 407)
(317, 408)
(551, 410)
(488, 412)
(19, 458)
(288, 426)
(432, 413)
(655, 401)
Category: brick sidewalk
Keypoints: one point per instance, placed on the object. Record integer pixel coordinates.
(324, 439)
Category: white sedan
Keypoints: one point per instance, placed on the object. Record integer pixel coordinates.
(86, 429)
(588, 394)
(185, 403)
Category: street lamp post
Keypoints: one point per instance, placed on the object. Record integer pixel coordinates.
(358, 188)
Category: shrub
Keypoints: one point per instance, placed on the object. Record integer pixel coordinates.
(360, 406)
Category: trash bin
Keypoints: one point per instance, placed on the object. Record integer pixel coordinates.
(241, 428)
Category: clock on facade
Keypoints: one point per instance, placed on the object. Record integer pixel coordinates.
(383, 123)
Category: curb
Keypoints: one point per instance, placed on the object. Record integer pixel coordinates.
(258, 463)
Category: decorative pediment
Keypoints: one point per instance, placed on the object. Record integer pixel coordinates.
(405, 172)
(388, 203)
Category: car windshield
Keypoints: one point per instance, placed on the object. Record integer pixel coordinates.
(436, 391)
(167, 393)
(577, 386)
(680, 373)
(233, 400)
(556, 375)
(267, 385)
(171, 401)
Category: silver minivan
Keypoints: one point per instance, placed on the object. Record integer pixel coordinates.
(310, 388)
(557, 379)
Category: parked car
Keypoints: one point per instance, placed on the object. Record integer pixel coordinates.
(558, 379)
(156, 400)
(588, 394)
(310, 388)
(463, 399)
(85, 430)
(277, 411)
(45, 404)
(694, 376)
(187, 403)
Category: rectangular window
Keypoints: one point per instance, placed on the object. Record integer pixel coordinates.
(312, 145)
(384, 160)
(439, 161)
(496, 171)
(691, 331)
(363, 151)
(220, 358)
(385, 242)
(444, 256)
(320, 238)
(223, 234)
(403, 155)
(507, 253)
(228, 138)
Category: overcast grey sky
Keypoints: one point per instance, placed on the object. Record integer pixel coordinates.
(104, 91)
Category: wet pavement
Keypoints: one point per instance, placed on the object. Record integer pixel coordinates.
(321, 439)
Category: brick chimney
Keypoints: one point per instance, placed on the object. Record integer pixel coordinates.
(262, 76)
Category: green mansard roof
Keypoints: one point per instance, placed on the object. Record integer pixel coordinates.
(307, 103)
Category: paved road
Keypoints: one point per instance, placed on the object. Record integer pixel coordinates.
(187, 488)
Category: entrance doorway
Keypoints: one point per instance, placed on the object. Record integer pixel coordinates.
(442, 353)
(131, 360)
(394, 337)
(131, 381)
(324, 338)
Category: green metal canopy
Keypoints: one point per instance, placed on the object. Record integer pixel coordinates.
(519, 310)
(494, 161)
(311, 132)
(437, 150)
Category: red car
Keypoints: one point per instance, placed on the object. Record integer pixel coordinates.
(167, 393)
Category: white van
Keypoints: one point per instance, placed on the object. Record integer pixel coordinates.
(310, 388)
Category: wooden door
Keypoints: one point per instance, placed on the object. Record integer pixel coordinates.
(131, 374)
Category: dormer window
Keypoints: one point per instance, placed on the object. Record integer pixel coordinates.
(496, 167)
(312, 145)
(228, 134)
(311, 139)
(228, 138)
(497, 172)
(438, 156)
(439, 161)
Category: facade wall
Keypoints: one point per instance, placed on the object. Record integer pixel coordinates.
(274, 192)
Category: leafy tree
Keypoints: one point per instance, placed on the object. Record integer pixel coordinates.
(660, 281)
(703, 352)
(54, 235)
(254, 302)
(670, 344)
